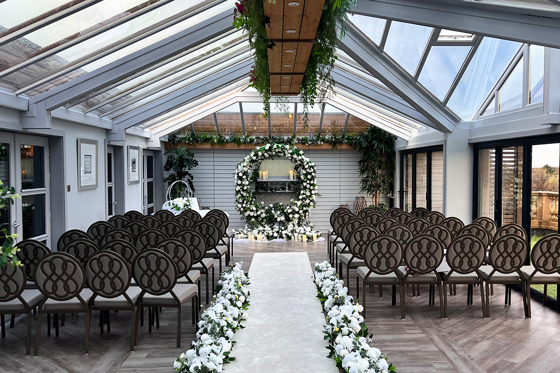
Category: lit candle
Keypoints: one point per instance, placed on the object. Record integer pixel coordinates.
(314, 237)
(295, 237)
(259, 237)
(304, 238)
(291, 174)
(266, 175)
(252, 238)
(260, 175)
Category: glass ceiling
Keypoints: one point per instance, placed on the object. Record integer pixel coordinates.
(460, 70)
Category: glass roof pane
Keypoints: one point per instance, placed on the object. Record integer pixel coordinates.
(89, 49)
(406, 44)
(280, 123)
(441, 68)
(205, 126)
(229, 120)
(255, 123)
(371, 27)
(333, 121)
(16, 12)
(536, 74)
(356, 125)
(511, 93)
(313, 117)
(450, 35)
(487, 66)
(491, 108)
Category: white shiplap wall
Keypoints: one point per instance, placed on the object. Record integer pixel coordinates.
(338, 181)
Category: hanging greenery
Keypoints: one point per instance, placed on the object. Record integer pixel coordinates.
(377, 166)
(317, 82)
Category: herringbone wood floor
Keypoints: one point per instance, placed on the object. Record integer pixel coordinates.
(507, 342)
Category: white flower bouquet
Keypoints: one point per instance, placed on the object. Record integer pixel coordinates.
(179, 205)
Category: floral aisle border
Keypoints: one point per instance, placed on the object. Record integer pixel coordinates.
(218, 324)
(346, 330)
(276, 220)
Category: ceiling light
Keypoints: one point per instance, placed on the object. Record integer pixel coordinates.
(286, 77)
(293, 3)
(289, 51)
(287, 65)
(286, 86)
(290, 31)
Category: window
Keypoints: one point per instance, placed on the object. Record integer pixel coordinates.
(536, 74)
(372, 27)
(229, 120)
(490, 109)
(441, 68)
(406, 44)
(511, 93)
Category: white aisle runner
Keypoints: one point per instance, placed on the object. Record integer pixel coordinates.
(284, 329)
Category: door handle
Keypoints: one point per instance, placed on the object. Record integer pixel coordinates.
(16, 224)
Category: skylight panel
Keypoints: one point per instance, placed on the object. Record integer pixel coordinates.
(371, 27)
(406, 44)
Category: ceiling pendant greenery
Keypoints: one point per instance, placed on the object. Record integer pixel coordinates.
(317, 83)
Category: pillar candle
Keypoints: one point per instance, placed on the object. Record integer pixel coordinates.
(260, 175)
(304, 238)
(291, 175)
(259, 237)
(252, 238)
(314, 237)
(266, 175)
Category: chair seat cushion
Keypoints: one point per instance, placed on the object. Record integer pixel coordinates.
(540, 278)
(374, 278)
(345, 258)
(213, 254)
(68, 305)
(194, 275)
(426, 278)
(498, 277)
(31, 297)
(208, 263)
(183, 292)
(133, 293)
(342, 248)
(460, 278)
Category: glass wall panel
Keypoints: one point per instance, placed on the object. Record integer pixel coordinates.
(408, 195)
(441, 68)
(512, 185)
(490, 109)
(255, 122)
(511, 93)
(314, 119)
(282, 123)
(33, 209)
(205, 126)
(371, 27)
(333, 121)
(229, 120)
(437, 181)
(406, 44)
(16, 12)
(421, 180)
(536, 74)
(32, 167)
(486, 182)
(487, 66)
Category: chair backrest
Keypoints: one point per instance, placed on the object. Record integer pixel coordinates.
(383, 255)
(183, 221)
(125, 249)
(508, 253)
(133, 215)
(69, 236)
(337, 212)
(108, 274)
(150, 238)
(465, 254)
(164, 215)
(417, 226)
(194, 242)
(423, 254)
(392, 212)
(434, 217)
(221, 214)
(30, 253)
(360, 238)
(373, 218)
(209, 231)
(118, 221)
(453, 225)
(364, 212)
(385, 224)
(403, 217)
(180, 254)
(477, 231)
(400, 233)
(81, 250)
(60, 276)
(349, 227)
(419, 212)
(170, 228)
(98, 230)
(217, 222)
(488, 224)
(191, 214)
(440, 233)
(510, 229)
(545, 255)
(135, 228)
(117, 234)
(151, 221)
(155, 272)
(340, 220)
(12, 282)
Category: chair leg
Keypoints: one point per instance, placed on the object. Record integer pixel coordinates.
(394, 295)
(139, 312)
(213, 278)
(358, 287)
(179, 312)
(491, 289)
(156, 314)
(48, 324)
(108, 321)
(207, 286)
(150, 318)
(528, 299)
(380, 291)
(193, 310)
(3, 326)
(88, 325)
(444, 299)
(55, 321)
(347, 278)
(524, 294)
(401, 291)
(487, 300)
(482, 300)
(441, 291)
(38, 332)
(13, 320)
(506, 295)
(101, 320)
(62, 319)
(28, 336)
(141, 316)
(132, 328)
(364, 296)
(544, 295)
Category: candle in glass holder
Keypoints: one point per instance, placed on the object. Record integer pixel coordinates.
(259, 237)
(314, 237)
(291, 174)
(252, 238)
(260, 175)
(304, 238)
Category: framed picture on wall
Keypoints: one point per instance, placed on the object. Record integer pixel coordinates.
(133, 165)
(87, 164)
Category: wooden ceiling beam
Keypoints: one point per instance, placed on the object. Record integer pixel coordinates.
(311, 18)
(289, 58)
(303, 53)
(276, 82)
(275, 58)
(292, 18)
(276, 13)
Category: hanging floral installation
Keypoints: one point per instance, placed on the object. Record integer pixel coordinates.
(317, 83)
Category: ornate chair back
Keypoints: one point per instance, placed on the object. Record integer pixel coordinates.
(423, 254)
(434, 217)
(125, 249)
(194, 242)
(508, 253)
(108, 275)
(217, 222)
(69, 236)
(81, 250)
(133, 215)
(477, 231)
(118, 221)
(209, 232)
(419, 212)
(510, 229)
(117, 234)
(403, 218)
(383, 255)
(180, 254)
(98, 230)
(465, 254)
(170, 228)
(385, 224)
(148, 239)
(30, 253)
(349, 227)
(164, 215)
(182, 220)
(13, 280)
(151, 221)
(373, 218)
(545, 255)
(60, 276)
(221, 214)
(417, 226)
(360, 238)
(392, 212)
(192, 215)
(400, 233)
(453, 225)
(440, 233)
(155, 272)
(135, 228)
(488, 224)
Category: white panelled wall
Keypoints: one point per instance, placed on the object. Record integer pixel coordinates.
(338, 180)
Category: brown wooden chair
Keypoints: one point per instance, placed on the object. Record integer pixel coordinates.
(440, 233)
(400, 233)
(417, 226)
(453, 225)
(365, 212)
(382, 257)
(118, 221)
(227, 238)
(507, 256)
(510, 229)
(81, 250)
(135, 228)
(465, 254)
(419, 212)
(488, 224)
(170, 228)
(29, 254)
(16, 300)
(403, 217)
(478, 231)
(156, 274)
(60, 278)
(222, 227)
(133, 215)
(117, 234)
(192, 215)
(359, 239)
(164, 215)
(337, 219)
(151, 221)
(385, 224)
(373, 218)
(183, 221)
(434, 217)
(345, 232)
(212, 236)
(69, 236)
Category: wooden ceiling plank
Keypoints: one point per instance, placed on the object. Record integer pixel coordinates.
(311, 18)
(289, 59)
(276, 14)
(303, 53)
(292, 18)
(286, 83)
(275, 59)
(275, 83)
(296, 83)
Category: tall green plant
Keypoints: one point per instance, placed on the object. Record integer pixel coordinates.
(377, 166)
(179, 162)
(8, 250)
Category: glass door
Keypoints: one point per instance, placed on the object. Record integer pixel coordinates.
(148, 184)
(111, 203)
(7, 212)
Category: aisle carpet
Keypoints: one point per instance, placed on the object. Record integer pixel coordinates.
(284, 329)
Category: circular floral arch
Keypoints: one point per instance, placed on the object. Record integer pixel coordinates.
(279, 215)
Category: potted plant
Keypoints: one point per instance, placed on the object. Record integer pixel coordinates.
(179, 162)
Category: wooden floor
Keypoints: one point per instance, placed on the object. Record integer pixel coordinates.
(507, 342)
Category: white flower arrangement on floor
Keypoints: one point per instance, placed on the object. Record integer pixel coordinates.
(275, 232)
(217, 325)
(179, 205)
(346, 330)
